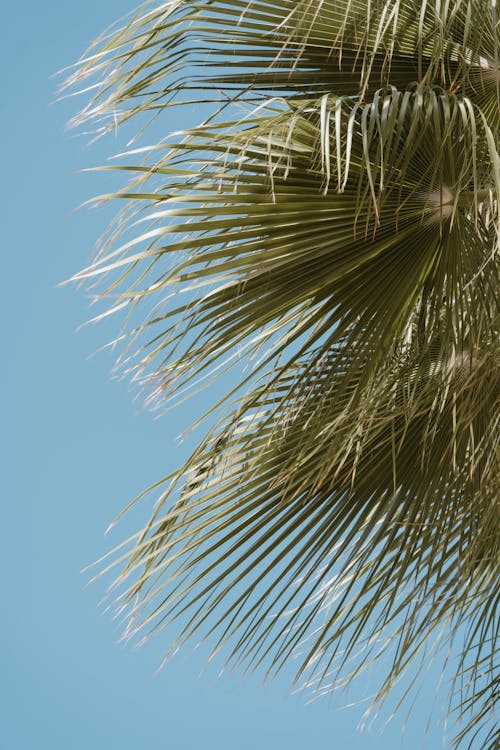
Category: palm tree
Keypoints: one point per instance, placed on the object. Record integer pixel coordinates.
(334, 223)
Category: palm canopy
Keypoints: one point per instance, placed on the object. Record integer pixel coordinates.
(334, 220)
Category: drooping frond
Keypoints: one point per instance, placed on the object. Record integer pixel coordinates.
(296, 535)
(303, 48)
(334, 223)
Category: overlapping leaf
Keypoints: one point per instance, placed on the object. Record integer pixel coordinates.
(341, 235)
(345, 47)
(319, 220)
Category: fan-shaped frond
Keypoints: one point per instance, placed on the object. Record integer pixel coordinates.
(334, 222)
(345, 47)
(322, 219)
(335, 528)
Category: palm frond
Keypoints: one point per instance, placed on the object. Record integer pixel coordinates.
(284, 237)
(208, 50)
(335, 223)
(333, 528)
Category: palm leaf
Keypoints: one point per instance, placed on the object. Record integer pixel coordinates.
(335, 222)
(300, 48)
(268, 222)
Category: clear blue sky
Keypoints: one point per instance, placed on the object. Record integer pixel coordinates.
(78, 449)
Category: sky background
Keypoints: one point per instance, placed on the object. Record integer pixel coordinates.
(78, 448)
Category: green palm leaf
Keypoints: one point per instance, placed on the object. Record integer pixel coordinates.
(337, 226)
(310, 239)
(303, 48)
